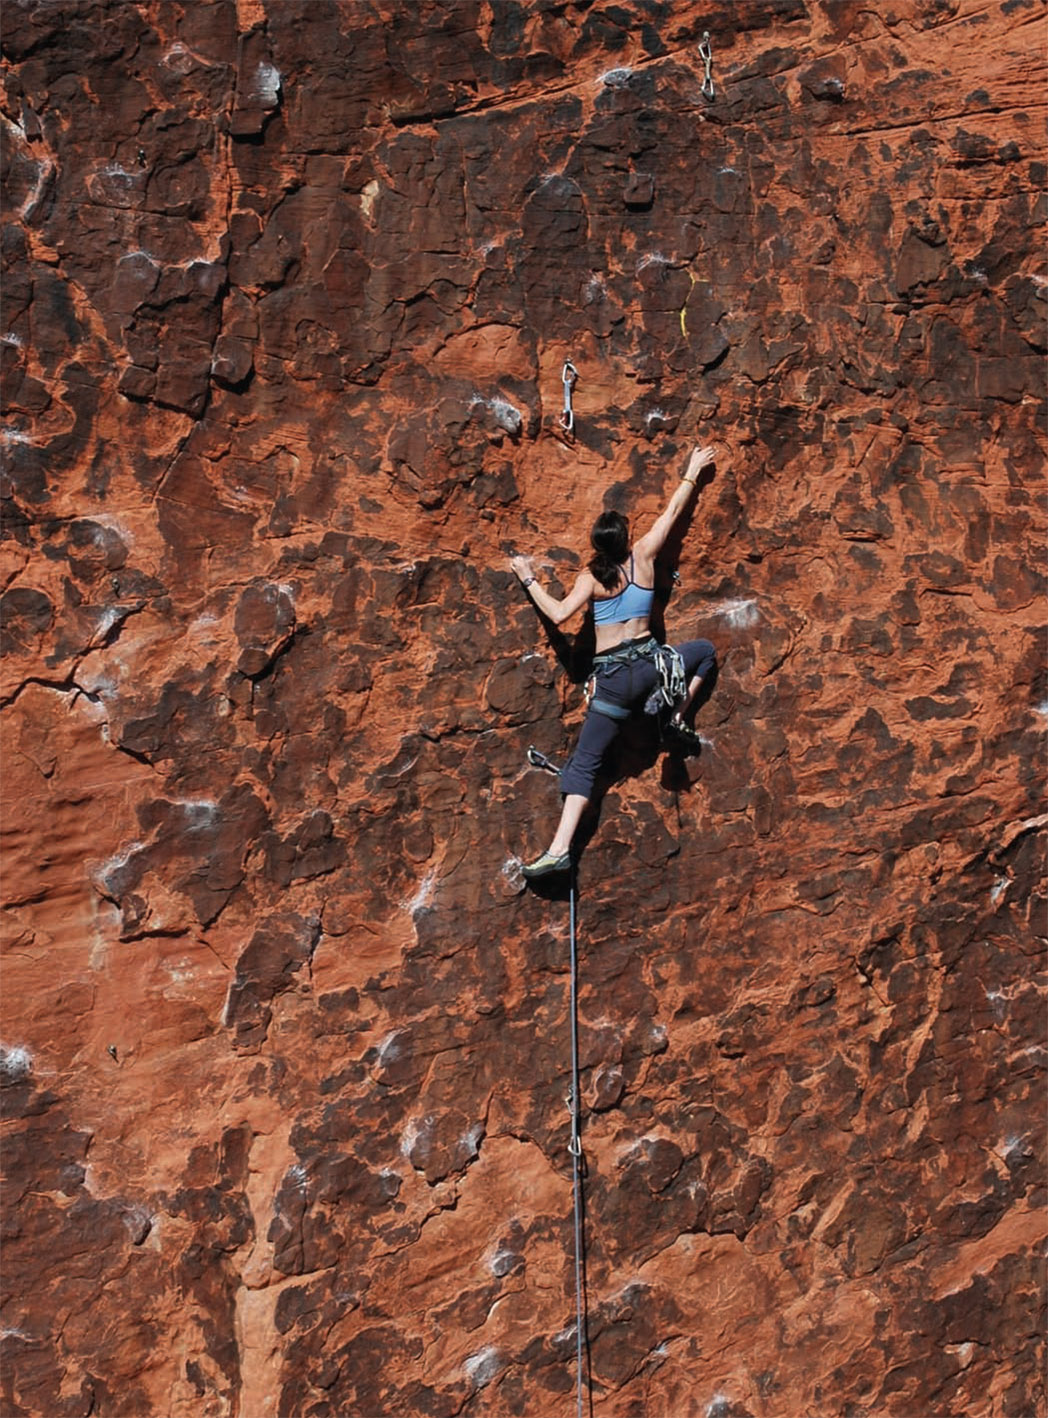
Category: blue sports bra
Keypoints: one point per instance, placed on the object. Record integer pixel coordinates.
(633, 602)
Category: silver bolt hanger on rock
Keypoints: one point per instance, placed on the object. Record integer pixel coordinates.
(569, 374)
(706, 55)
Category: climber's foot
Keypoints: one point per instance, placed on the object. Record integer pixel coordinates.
(547, 865)
(682, 739)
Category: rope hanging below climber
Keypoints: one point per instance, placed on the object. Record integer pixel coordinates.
(577, 1160)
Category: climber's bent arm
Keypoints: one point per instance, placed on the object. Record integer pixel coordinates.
(558, 611)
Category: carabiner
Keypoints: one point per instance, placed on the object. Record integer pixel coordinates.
(539, 760)
(568, 375)
(706, 55)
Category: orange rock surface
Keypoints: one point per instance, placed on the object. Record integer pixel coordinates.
(288, 291)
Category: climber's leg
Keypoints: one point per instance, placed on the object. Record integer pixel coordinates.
(577, 780)
(575, 805)
(699, 657)
(558, 855)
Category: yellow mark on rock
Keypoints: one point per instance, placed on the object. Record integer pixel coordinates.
(684, 308)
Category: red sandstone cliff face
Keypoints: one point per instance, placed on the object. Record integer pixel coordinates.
(287, 292)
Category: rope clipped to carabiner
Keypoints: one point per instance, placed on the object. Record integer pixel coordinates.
(569, 374)
(706, 55)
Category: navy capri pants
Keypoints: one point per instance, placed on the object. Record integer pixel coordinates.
(624, 686)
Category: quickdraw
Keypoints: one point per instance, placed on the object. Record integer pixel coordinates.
(569, 374)
(673, 680)
(539, 760)
(706, 55)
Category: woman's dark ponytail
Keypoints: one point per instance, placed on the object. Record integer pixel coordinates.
(611, 543)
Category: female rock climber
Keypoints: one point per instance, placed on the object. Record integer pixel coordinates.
(620, 582)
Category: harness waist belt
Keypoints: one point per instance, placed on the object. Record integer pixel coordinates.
(624, 654)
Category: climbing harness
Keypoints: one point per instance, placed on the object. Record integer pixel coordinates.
(605, 706)
(569, 374)
(638, 649)
(706, 55)
(627, 654)
(577, 1159)
(673, 680)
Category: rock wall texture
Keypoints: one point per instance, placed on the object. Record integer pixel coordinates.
(288, 288)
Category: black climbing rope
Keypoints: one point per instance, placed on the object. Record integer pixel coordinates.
(575, 1148)
(578, 1164)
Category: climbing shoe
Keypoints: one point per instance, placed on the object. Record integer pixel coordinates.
(683, 740)
(546, 865)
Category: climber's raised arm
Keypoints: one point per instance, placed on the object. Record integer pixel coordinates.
(649, 546)
(554, 609)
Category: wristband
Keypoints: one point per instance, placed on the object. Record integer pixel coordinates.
(685, 479)
(528, 582)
